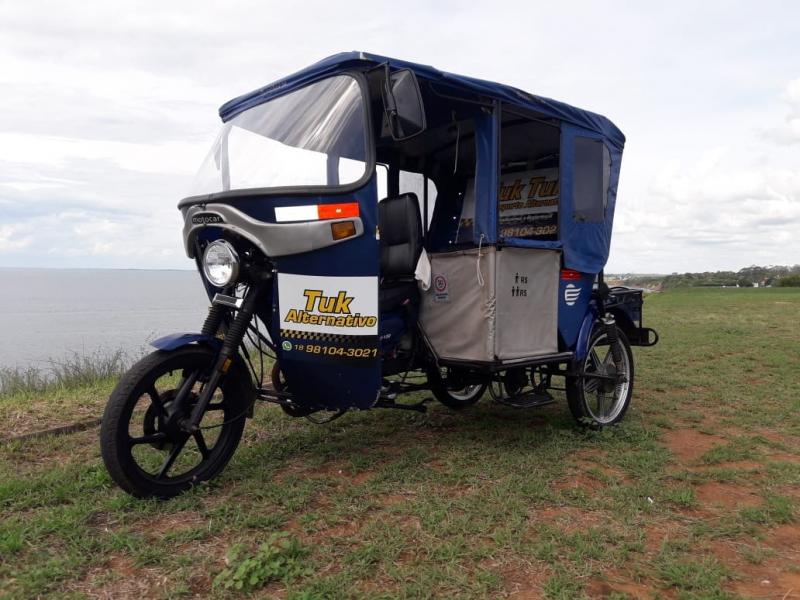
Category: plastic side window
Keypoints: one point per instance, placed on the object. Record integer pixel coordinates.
(591, 172)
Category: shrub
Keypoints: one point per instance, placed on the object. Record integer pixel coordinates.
(73, 371)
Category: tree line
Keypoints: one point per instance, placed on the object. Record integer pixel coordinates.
(776, 276)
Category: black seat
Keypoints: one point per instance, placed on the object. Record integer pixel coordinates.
(401, 244)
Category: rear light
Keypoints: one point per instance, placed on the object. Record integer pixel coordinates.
(343, 229)
(570, 275)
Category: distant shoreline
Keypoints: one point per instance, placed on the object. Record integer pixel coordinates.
(91, 269)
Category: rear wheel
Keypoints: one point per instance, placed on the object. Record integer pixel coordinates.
(603, 399)
(447, 390)
(143, 447)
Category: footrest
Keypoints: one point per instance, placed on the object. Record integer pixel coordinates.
(531, 399)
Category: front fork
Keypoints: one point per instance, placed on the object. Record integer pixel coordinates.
(246, 308)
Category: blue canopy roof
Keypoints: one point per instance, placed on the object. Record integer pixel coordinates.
(585, 240)
(347, 60)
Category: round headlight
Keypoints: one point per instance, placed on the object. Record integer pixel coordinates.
(220, 263)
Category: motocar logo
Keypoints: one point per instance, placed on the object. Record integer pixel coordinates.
(571, 294)
(207, 219)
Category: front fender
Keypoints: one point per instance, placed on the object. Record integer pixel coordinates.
(582, 346)
(173, 341)
(240, 369)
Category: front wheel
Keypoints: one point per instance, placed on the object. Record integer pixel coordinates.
(143, 446)
(602, 395)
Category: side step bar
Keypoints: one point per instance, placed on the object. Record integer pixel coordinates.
(492, 367)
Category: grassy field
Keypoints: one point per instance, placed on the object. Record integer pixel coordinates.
(695, 496)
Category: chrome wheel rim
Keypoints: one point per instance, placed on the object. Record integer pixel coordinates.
(463, 394)
(605, 400)
(466, 393)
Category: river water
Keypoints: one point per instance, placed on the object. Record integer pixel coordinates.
(49, 314)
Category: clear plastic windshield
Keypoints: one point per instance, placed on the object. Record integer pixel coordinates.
(314, 136)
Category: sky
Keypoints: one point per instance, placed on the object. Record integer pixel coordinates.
(107, 109)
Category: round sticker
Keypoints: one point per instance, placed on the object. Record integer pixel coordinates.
(440, 283)
(286, 345)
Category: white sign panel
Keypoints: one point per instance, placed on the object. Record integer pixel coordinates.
(527, 204)
(337, 305)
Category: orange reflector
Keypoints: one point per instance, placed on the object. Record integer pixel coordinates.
(226, 365)
(343, 229)
(337, 211)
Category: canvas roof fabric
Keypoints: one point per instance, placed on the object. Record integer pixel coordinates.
(345, 60)
(585, 242)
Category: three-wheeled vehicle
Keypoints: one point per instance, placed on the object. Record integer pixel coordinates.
(379, 227)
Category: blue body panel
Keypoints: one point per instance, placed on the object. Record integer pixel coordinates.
(316, 366)
(573, 303)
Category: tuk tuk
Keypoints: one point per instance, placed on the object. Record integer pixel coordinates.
(367, 228)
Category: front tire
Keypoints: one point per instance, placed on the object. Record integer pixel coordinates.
(598, 402)
(144, 450)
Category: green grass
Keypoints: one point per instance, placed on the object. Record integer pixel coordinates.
(483, 503)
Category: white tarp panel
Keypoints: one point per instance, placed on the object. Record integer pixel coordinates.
(501, 306)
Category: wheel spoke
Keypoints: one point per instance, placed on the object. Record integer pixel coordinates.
(201, 444)
(159, 436)
(168, 462)
(598, 364)
(155, 398)
(591, 384)
(608, 360)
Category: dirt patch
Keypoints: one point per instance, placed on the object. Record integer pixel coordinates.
(656, 534)
(342, 473)
(783, 457)
(343, 530)
(688, 445)
(614, 585)
(524, 581)
(566, 518)
(787, 536)
(727, 495)
(770, 578)
(578, 481)
(42, 415)
(156, 527)
(749, 466)
(119, 578)
(388, 500)
(591, 460)
(338, 470)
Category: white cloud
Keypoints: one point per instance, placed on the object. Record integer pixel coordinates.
(14, 238)
(107, 108)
